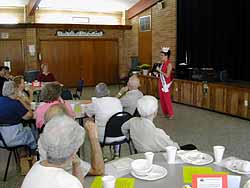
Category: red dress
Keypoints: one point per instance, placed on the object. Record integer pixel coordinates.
(46, 78)
(165, 97)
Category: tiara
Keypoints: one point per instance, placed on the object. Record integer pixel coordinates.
(165, 49)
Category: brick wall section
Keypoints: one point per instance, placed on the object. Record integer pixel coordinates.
(164, 29)
(163, 24)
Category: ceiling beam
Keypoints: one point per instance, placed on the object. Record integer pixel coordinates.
(140, 7)
(32, 6)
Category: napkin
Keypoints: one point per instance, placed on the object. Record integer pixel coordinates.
(189, 171)
(119, 183)
(121, 164)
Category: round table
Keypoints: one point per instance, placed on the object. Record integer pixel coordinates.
(174, 178)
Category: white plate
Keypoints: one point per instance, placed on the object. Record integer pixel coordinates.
(197, 158)
(156, 173)
(234, 169)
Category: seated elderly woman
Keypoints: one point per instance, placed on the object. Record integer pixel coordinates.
(103, 107)
(97, 164)
(156, 139)
(130, 94)
(61, 139)
(12, 112)
(45, 75)
(50, 95)
(26, 96)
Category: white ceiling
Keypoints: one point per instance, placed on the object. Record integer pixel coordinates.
(13, 3)
(81, 5)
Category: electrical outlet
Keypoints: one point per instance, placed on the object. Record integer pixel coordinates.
(246, 103)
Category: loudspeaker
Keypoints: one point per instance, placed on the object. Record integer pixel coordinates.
(161, 5)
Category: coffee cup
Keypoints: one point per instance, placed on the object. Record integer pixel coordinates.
(171, 153)
(150, 157)
(108, 181)
(218, 153)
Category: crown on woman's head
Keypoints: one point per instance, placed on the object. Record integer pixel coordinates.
(165, 49)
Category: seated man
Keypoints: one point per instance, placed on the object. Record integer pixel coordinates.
(130, 94)
(97, 164)
(61, 139)
(12, 112)
(103, 107)
(144, 134)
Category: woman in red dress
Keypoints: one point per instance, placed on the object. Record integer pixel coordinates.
(165, 82)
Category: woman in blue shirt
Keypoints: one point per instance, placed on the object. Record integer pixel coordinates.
(12, 112)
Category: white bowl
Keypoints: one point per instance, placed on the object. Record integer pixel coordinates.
(141, 167)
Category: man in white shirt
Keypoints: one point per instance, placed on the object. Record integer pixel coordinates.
(130, 94)
(145, 136)
(103, 107)
(61, 139)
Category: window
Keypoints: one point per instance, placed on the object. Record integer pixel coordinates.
(145, 23)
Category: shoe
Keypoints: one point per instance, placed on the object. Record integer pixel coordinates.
(116, 156)
(105, 159)
(171, 117)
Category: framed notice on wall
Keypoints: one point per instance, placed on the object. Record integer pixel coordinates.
(145, 23)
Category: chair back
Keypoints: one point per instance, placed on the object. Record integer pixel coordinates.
(114, 124)
(136, 113)
(66, 94)
(80, 86)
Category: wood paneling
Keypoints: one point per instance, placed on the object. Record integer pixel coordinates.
(233, 100)
(12, 50)
(93, 60)
(145, 47)
(140, 7)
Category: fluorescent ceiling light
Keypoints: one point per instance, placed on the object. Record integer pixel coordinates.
(13, 3)
(88, 5)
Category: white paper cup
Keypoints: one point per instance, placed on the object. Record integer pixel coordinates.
(73, 106)
(150, 157)
(33, 105)
(82, 108)
(218, 153)
(108, 181)
(171, 152)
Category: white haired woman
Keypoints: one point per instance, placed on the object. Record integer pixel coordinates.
(142, 131)
(12, 112)
(130, 94)
(103, 107)
(61, 139)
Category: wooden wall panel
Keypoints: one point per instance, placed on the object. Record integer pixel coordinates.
(145, 47)
(87, 67)
(12, 50)
(93, 60)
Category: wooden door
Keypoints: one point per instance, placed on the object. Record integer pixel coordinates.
(106, 61)
(12, 50)
(145, 47)
(92, 60)
(63, 60)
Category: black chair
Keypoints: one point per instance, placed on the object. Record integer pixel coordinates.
(79, 90)
(113, 130)
(11, 149)
(136, 113)
(66, 94)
